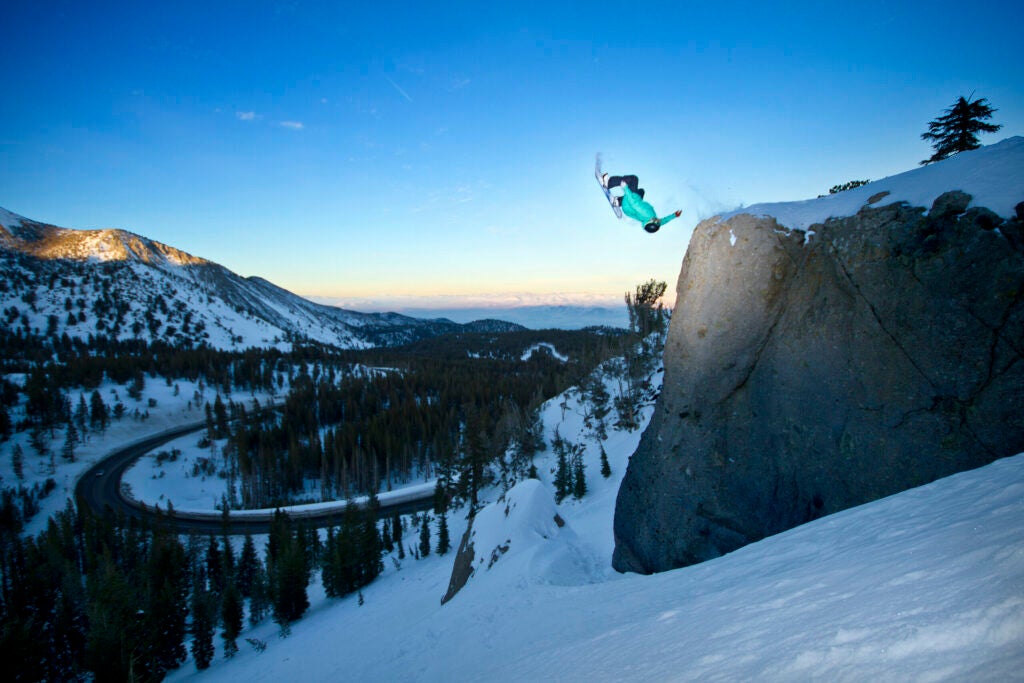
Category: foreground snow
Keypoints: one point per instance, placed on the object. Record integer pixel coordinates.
(925, 585)
(992, 175)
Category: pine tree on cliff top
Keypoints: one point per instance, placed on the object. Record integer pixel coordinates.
(957, 130)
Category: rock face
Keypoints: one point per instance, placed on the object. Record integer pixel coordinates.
(808, 373)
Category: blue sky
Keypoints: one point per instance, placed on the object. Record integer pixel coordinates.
(387, 154)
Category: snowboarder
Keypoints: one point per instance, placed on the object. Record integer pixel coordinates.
(625, 192)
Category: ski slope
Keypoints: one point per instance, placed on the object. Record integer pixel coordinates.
(925, 585)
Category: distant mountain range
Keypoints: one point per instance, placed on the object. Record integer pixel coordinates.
(535, 317)
(58, 281)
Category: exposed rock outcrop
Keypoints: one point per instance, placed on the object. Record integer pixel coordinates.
(810, 372)
(462, 569)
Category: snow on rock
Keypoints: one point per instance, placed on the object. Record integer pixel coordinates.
(992, 175)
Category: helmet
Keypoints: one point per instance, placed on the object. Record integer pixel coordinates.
(653, 225)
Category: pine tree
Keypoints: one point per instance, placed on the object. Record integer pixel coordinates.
(443, 540)
(112, 609)
(385, 536)
(287, 571)
(292, 578)
(99, 416)
(425, 536)
(474, 456)
(214, 568)
(138, 383)
(5, 423)
(646, 313)
(606, 468)
(370, 551)
(231, 619)
(221, 416)
(18, 461)
(329, 567)
(563, 473)
(579, 478)
(849, 185)
(167, 610)
(957, 130)
(259, 599)
(210, 432)
(248, 565)
(228, 556)
(202, 625)
(70, 441)
(345, 553)
(440, 499)
(82, 415)
(37, 439)
(396, 529)
(43, 605)
(598, 404)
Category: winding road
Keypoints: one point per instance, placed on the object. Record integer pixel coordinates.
(99, 489)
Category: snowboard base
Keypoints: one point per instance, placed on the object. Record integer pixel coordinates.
(607, 194)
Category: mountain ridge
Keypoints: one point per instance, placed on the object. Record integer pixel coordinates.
(138, 287)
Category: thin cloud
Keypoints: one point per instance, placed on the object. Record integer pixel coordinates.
(246, 115)
(400, 91)
(294, 125)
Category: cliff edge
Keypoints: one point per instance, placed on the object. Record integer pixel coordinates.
(809, 371)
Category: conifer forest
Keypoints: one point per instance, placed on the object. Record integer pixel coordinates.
(95, 597)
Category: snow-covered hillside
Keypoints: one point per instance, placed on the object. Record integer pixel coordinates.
(159, 407)
(58, 281)
(993, 175)
(925, 585)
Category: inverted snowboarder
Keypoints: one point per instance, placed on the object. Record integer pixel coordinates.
(627, 197)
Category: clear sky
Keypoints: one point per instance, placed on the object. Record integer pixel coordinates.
(367, 153)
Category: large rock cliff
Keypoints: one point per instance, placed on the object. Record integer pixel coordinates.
(811, 371)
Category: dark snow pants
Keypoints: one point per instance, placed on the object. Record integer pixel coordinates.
(632, 182)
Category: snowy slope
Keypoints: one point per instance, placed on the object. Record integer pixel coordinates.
(992, 175)
(116, 283)
(925, 585)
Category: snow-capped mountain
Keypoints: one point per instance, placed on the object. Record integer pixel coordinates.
(88, 282)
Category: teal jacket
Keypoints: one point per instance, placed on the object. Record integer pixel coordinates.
(637, 209)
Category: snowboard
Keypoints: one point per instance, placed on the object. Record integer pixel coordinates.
(607, 194)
